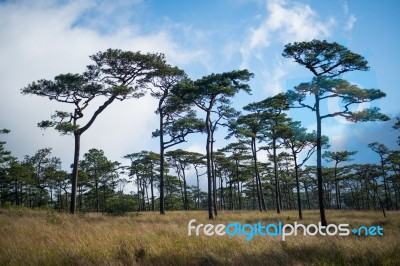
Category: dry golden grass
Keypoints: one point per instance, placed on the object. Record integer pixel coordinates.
(49, 238)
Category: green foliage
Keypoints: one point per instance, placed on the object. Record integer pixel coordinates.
(178, 128)
(114, 75)
(324, 58)
(379, 148)
(115, 67)
(338, 156)
(5, 156)
(205, 92)
(65, 88)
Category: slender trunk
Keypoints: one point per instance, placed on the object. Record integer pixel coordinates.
(222, 197)
(239, 196)
(296, 172)
(385, 184)
(231, 206)
(237, 179)
(263, 204)
(152, 191)
(307, 196)
(104, 197)
(339, 195)
(161, 125)
(96, 191)
(143, 195)
(186, 201)
(209, 167)
(198, 189)
(337, 188)
(138, 182)
(380, 202)
(182, 193)
(319, 162)
(147, 198)
(277, 187)
(234, 195)
(74, 179)
(254, 151)
(214, 177)
(254, 193)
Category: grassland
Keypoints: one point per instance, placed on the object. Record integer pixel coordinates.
(43, 237)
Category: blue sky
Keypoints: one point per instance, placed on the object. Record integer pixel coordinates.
(40, 39)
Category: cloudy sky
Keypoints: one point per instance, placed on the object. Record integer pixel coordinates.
(40, 39)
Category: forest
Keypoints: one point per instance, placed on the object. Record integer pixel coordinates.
(292, 176)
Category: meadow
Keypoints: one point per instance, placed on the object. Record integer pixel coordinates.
(46, 237)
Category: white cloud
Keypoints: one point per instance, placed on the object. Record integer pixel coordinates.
(275, 76)
(350, 22)
(286, 21)
(43, 39)
(351, 19)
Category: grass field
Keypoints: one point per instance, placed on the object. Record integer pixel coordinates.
(43, 237)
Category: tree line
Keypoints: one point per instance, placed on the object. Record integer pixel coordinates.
(236, 177)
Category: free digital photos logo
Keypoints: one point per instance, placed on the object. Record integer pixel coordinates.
(280, 230)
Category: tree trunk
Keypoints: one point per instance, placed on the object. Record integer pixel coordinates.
(182, 194)
(74, 179)
(337, 189)
(237, 180)
(254, 151)
(214, 176)
(209, 167)
(198, 189)
(221, 196)
(277, 187)
(162, 211)
(307, 196)
(138, 183)
(231, 206)
(152, 191)
(385, 184)
(319, 163)
(254, 193)
(296, 172)
(96, 191)
(186, 201)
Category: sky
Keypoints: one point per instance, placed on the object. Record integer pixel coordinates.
(41, 39)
